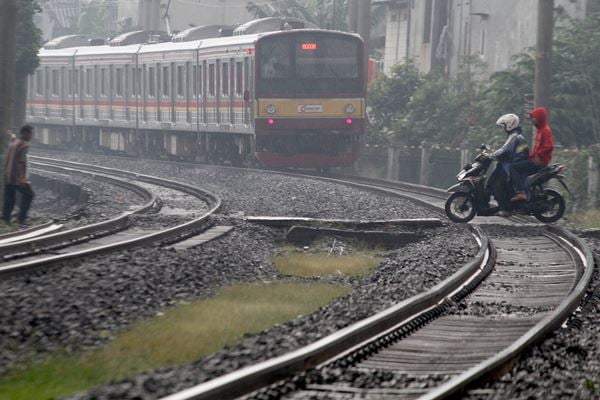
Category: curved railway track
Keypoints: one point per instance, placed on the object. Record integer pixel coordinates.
(105, 236)
(542, 271)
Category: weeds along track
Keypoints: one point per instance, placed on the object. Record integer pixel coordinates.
(33, 250)
(526, 280)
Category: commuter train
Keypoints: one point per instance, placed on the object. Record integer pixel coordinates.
(290, 98)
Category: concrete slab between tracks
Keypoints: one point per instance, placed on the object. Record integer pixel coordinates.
(304, 235)
(206, 236)
(344, 223)
(593, 233)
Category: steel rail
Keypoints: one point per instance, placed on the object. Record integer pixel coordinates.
(254, 377)
(83, 233)
(169, 235)
(248, 379)
(536, 334)
(228, 385)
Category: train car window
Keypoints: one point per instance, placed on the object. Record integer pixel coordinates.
(200, 80)
(47, 81)
(331, 58)
(317, 65)
(275, 60)
(151, 82)
(239, 76)
(103, 81)
(119, 82)
(88, 82)
(70, 82)
(211, 79)
(39, 82)
(195, 80)
(180, 81)
(225, 79)
(76, 84)
(55, 82)
(165, 81)
(136, 90)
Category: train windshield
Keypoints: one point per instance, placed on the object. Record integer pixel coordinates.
(309, 65)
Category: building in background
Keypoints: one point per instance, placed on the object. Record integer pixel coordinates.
(441, 34)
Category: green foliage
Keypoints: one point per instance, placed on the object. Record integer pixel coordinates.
(92, 20)
(389, 96)
(465, 108)
(29, 38)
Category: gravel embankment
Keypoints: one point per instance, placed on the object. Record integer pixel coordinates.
(247, 192)
(105, 200)
(47, 206)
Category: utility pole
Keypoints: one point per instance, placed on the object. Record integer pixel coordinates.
(8, 26)
(543, 58)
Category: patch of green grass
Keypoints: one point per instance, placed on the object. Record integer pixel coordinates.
(182, 335)
(297, 263)
(587, 219)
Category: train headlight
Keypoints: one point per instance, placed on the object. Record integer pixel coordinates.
(271, 109)
(349, 109)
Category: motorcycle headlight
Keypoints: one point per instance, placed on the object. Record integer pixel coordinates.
(461, 175)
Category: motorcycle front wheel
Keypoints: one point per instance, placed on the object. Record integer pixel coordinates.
(460, 207)
(553, 207)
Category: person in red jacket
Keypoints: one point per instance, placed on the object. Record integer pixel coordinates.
(539, 157)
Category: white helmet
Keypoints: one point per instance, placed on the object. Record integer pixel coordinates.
(508, 121)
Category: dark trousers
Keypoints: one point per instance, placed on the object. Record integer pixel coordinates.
(10, 192)
(519, 172)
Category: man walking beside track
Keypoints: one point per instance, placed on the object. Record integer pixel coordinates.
(539, 158)
(15, 176)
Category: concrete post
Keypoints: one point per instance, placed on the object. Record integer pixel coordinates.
(393, 165)
(425, 163)
(593, 176)
(465, 154)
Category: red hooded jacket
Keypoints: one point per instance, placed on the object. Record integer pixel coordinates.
(543, 142)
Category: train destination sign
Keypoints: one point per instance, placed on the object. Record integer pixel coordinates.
(309, 46)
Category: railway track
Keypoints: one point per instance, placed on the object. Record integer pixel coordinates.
(110, 235)
(524, 283)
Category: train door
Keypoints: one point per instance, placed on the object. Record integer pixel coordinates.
(212, 93)
(238, 108)
(224, 94)
(203, 90)
(187, 92)
(62, 92)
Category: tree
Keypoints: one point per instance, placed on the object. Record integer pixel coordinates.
(449, 111)
(327, 14)
(29, 41)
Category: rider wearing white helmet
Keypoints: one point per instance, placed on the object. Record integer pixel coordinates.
(514, 149)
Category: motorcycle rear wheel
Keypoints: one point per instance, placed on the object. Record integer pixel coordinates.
(460, 207)
(557, 207)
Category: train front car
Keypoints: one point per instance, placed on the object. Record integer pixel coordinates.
(310, 97)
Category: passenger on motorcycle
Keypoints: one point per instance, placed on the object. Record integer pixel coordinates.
(540, 157)
(515, 149)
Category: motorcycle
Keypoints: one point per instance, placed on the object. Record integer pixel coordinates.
(471, 196)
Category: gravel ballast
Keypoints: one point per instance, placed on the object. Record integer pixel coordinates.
(405, 272)
(81, 304)
(564, 366)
